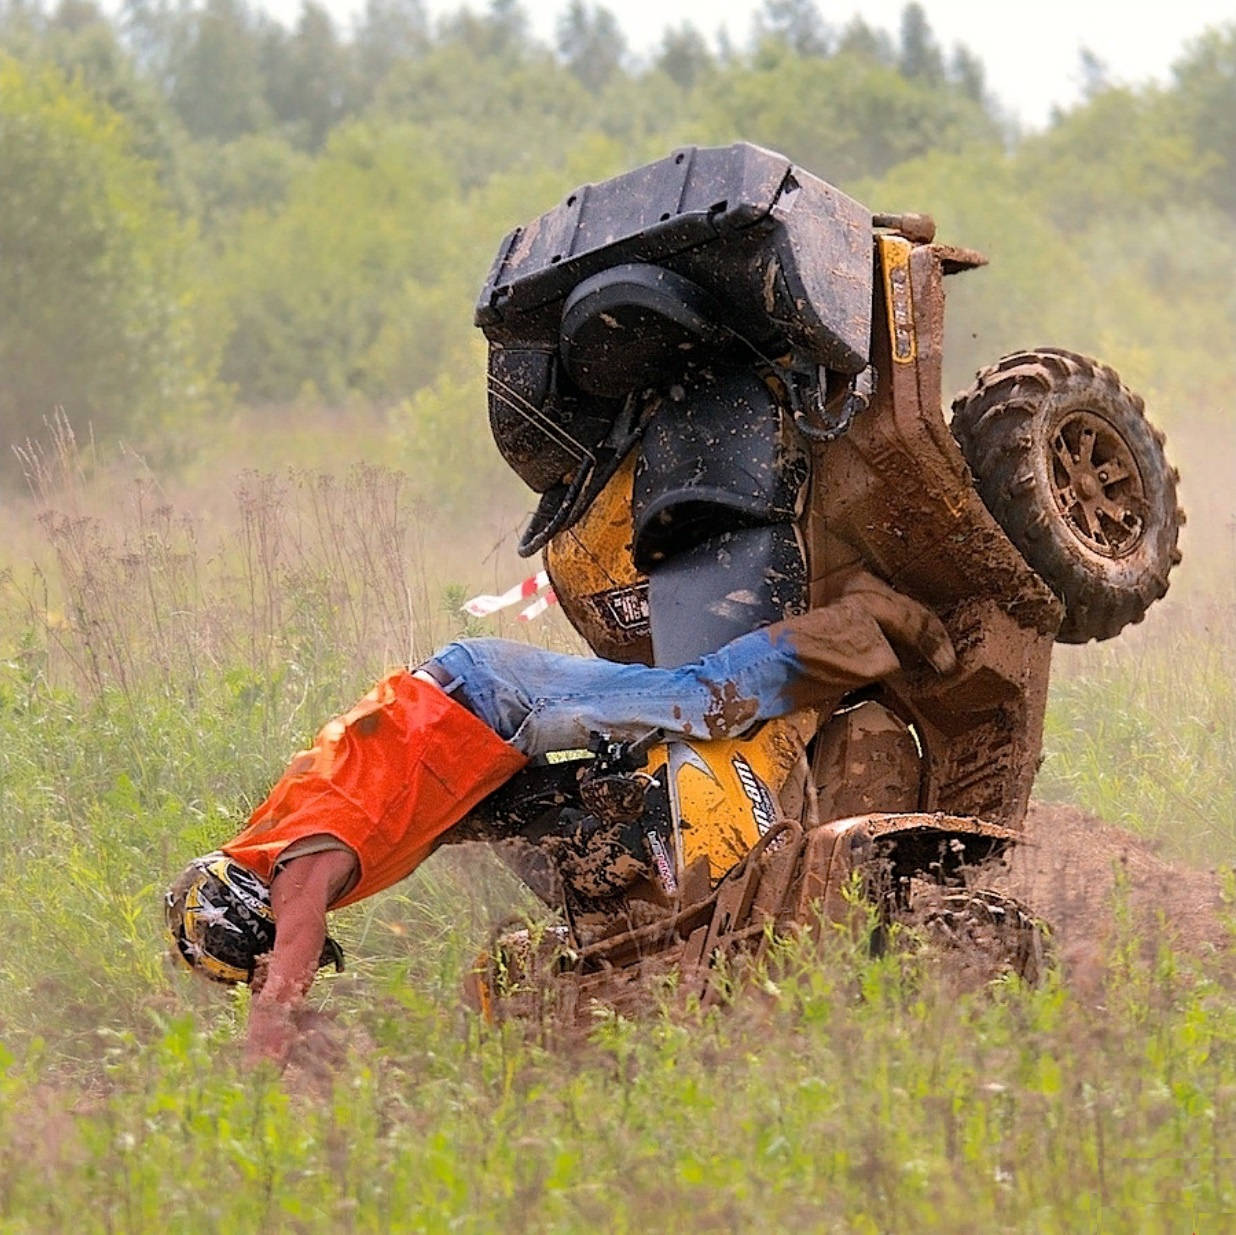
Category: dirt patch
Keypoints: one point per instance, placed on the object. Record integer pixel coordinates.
(1067, 873)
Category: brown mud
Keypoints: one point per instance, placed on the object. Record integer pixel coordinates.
(1081, 876)
(728, 714)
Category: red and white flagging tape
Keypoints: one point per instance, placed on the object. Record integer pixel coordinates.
(483, 606)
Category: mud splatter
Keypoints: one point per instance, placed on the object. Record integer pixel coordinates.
(846, 644)
(598, 859)
(728, 713)
(261, 970)
(321, 1048)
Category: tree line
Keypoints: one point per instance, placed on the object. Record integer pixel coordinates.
(203, 208)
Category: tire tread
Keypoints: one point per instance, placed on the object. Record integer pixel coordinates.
(994, 421)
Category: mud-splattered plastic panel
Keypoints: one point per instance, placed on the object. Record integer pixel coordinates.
(724, 587)
(786, 255)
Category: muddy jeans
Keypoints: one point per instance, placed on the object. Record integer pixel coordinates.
(541, 701)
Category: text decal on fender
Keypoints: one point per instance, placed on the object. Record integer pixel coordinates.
(762, 806)
(896, 262)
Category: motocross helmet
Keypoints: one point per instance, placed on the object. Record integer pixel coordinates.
(219, 920)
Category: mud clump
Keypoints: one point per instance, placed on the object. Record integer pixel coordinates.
(728, 713)
(320, 1050)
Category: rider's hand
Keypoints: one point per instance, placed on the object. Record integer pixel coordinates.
(272, 1033)
(905, 622)
(853, 641)
(299, 896)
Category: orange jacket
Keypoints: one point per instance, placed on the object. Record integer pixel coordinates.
(386, 779)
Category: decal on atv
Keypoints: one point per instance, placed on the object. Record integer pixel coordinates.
(682, 756)
(662, 863)
(895, 252)
(627, 606)
(762, 806)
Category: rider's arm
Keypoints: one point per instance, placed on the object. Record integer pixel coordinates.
(299, 896)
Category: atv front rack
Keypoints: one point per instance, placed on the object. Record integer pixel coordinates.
(788, 882)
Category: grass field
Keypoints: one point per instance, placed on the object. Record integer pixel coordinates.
(155, 677)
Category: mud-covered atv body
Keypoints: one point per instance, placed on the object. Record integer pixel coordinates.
(723, 376)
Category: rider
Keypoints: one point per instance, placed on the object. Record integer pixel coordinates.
(383, 782)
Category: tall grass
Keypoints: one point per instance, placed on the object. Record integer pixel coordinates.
(1142, 730)
(851, 1095)
(1143, 733)
(155, 675)
(310, 570)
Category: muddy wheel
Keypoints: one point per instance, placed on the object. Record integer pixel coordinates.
(1065, 460)
(979, 934)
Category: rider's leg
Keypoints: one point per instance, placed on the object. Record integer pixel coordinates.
(543, 701)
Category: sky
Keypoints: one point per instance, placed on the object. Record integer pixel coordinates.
(1031, 50)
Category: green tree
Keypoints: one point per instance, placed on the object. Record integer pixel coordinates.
(965, 69)
(229, 179)
(78, 38)
(795, 25)
(501, 32)
(1206, 98)
(1122, 154)
(308, 76)
(859, 39)
(149, 28)
(590, 43)
(216, 83)
(843, 118)
(683, 55)
(96, 311)
(487, 112)
(339, 289)
(919, 56)
(390, 31)
(1095, 74)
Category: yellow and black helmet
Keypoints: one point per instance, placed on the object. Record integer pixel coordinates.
(220, 921)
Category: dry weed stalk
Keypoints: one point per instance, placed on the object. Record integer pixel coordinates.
(365, 532)
(315, 570)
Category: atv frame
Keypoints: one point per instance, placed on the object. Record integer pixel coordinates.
(723, 376)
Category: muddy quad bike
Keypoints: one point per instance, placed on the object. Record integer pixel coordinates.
(722, 375)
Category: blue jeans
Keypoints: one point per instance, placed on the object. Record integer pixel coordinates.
(541, 701)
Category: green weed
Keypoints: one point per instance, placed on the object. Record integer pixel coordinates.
(840, 1092)
(1143, 733)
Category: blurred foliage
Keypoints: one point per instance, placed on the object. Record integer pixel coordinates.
(845, 117)
(97, 281)
(203, 207)
(318, 283)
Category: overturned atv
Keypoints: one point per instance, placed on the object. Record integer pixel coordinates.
(722, 375)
